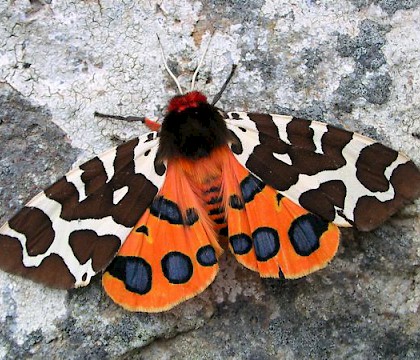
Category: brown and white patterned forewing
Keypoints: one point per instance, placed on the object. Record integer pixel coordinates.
(342, 176)
(72, 230)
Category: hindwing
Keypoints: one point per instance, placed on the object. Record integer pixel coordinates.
(170, 255)
(270, 234)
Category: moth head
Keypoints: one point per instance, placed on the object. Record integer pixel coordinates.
(190, 100)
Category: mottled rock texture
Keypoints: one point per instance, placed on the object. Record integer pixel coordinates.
(352, 63)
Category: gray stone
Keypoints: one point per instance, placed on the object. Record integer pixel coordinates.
(351, 63)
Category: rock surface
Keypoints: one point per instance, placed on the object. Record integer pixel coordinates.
(352, 63)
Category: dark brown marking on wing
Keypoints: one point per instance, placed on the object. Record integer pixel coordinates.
(371, 165)
(37, 228)
(52, 271)
(324, 199)
(99, 201)
(370, 212)
(87, 244)
(301, 151)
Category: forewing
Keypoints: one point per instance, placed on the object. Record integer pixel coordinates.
(73, 229)
(170, 255)
(342, 176)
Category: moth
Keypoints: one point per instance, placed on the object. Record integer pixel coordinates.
(155, 213)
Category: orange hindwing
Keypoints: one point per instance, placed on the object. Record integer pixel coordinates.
(269, 233)
(170, 255)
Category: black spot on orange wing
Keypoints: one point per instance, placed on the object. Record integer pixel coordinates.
(241, 243)
(251, 186)
(166, 209)
(278, 198)
(206, 256)
(191, 216)
(305, 232)
(134, 272)
(143, 229)
(266, 243)
(177, 267)
(235, 202)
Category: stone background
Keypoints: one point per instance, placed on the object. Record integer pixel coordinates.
(352, 63)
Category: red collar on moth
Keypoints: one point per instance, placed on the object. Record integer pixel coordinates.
(189, 100)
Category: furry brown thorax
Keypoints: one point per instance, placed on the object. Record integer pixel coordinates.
(192, 128)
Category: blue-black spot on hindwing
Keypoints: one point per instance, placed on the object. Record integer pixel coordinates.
(134, 272)
(235, 116)
(166, 210)
(266, 243)
(305, 232)
(177, 267)
(191, 216)
(251, 186)
(143, 229)
(241, 243)
(235, 202)
(206, 256)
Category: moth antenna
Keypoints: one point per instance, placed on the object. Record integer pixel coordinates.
(167, 67)
(219, 94)
(200, 63)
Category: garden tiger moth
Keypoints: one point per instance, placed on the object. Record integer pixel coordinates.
(151, 213)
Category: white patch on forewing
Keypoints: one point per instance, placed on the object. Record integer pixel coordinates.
(283, 158)
(249, 139)
(145, 164)
(119, 194)
(108, 159)
(281, 121)
(319, 130)
(75, 177)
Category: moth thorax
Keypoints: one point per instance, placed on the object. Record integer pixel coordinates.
(192, 128)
